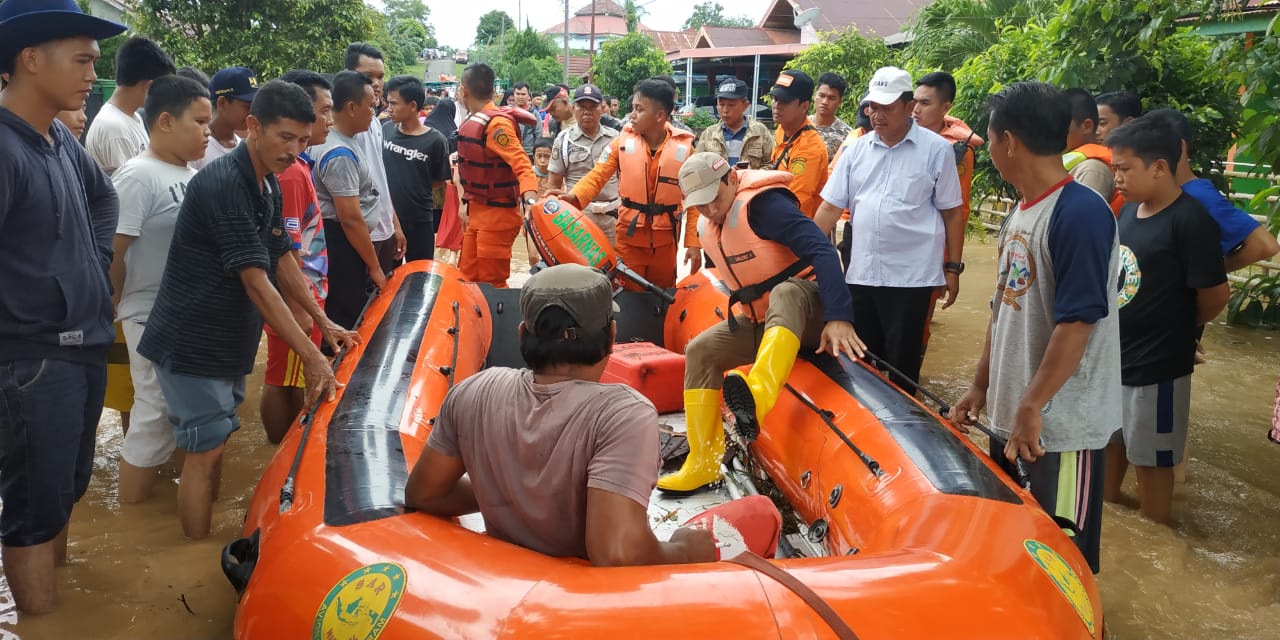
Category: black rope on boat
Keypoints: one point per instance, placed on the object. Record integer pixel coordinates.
(456, 332)
(827, 416)
(1019, 474)
(308, 421)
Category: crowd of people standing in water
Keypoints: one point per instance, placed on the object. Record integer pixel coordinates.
(137, 270)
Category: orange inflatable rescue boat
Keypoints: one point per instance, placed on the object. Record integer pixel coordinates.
(901, 525)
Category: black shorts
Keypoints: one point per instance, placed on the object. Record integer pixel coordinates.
(1076, 477)
(49, 412)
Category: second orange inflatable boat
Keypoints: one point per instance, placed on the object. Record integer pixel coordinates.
(906, 529)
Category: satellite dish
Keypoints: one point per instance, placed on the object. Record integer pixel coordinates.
(806, 17)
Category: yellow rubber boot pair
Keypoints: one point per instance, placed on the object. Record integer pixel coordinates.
(706, 443)
(751, 397)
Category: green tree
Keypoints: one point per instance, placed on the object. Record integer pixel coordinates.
(623, 62)
(268, 37)
(633, 16)
(711, 13)
(538, 72)
(529, 57)
(850, 54)
(492, 26)
(1141, 50)
(948, 32)
(1256, 67)
(415, 10)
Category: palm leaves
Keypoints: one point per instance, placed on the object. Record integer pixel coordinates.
(948, 32)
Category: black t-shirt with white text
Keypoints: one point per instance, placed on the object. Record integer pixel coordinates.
(1164, 258)
(413, 163)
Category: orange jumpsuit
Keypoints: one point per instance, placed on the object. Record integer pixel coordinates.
(649, 251)
(491, 231)
(805, 157)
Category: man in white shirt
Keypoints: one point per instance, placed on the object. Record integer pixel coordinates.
(152, 186)
(117, 133)
(388, 239)
(902, 190)
(232, 90)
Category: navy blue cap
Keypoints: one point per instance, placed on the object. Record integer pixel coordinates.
(234, 82)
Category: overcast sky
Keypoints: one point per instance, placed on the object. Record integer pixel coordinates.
(455, 20)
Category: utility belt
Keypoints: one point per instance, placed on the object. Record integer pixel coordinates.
(605, 207)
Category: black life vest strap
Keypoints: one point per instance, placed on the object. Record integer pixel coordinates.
(750, 293)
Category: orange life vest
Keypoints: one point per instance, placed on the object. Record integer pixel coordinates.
(659, 210)
(485, 176)
(751, 266)
(1094, 152)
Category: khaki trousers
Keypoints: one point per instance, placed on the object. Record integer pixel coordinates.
(794, 304)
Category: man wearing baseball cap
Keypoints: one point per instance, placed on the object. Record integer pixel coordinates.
(736, 139)
(798, 148)
(902, 190)
(58, 214)
(564, 465)
(233, 90)
(559, 111)
(574, 155)
(787, 289)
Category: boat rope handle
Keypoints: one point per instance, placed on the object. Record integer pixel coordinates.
(827, 416)
(455, 331)
(1019, 473)
(308, 420)
(810, 597)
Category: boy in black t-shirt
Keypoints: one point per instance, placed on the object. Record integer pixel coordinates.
(1172, 282)
(417, 159)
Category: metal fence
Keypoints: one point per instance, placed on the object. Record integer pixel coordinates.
(991, 212)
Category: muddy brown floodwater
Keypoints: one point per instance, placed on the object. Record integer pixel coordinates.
(1214, 574)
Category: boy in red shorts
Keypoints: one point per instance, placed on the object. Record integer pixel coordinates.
(282, 391)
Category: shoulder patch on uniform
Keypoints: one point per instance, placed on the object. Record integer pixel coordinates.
(502, 138)
(797, 166)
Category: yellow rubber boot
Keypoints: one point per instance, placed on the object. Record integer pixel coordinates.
(752, 397)
(706, 443)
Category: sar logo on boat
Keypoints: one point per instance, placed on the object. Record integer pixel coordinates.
(359, 606)
(551, 207)
(1064, 578)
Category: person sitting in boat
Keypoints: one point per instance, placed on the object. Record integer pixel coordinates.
(786, 279)
(563, 464)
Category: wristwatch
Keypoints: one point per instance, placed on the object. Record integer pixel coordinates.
(531, 201)
(953, 267)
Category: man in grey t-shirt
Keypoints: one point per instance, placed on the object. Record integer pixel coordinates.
(1051, 363)
(563, 465)
(350, 201)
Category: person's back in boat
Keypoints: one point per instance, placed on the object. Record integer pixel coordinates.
(557, 462)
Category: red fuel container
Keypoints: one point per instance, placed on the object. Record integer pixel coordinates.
(656, 373)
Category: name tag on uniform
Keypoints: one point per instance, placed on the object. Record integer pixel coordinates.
(682, 152)
(629, 146)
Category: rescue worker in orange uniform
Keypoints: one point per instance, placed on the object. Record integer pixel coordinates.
(799, 149)
(647, 156)
(497, 178)
(934, 95)
(1088, 162)
(787, 291)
